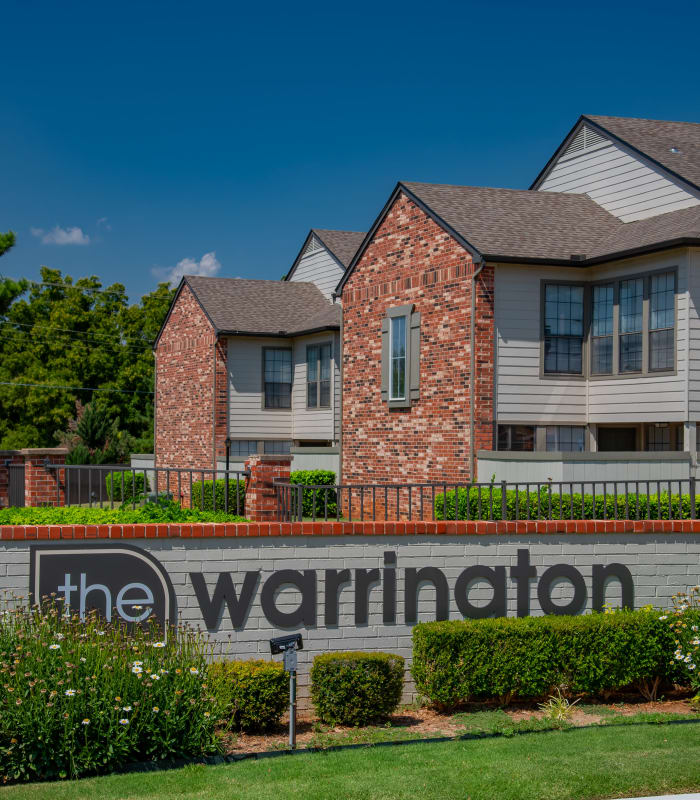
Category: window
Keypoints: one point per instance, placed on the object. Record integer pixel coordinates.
(516, 437)
(631, 312)
(662, 320)
(318, 376)
(565, 438)
(277, 368)
(658, 437)
(397, 390)
(602, 330)
(243, 447)
(277, 448)
(400, 366)
(563, 329)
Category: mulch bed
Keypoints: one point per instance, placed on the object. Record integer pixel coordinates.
(426, 723)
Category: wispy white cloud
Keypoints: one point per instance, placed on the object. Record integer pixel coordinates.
(208, 266)
(59, 235)
(103, 223)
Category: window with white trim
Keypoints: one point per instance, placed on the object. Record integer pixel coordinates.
(318, 376)
(397, 347)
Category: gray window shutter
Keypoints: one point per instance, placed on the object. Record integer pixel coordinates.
(385, 359)
(414, 356)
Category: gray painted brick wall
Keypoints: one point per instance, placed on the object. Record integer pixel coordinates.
(661, 565)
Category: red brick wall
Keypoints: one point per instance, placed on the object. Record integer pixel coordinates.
(185, 388)
(413, 260)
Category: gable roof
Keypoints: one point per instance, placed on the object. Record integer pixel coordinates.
(524, 226)
(651, 138)
(238, 306)
(342, 245)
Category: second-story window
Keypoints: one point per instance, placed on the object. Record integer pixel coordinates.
(397, 385)
(563, 329)
(631, 317)
(602, 330)
(662, 321)
(318, 376)
(277, 370)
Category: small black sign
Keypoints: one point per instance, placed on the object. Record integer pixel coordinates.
(124, 583)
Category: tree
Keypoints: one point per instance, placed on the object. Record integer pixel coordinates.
(60, 333)
(7, 240)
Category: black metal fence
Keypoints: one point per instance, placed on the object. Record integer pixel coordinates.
(109, 486)
(621, 500)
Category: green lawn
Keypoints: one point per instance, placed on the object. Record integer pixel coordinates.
(583, 764)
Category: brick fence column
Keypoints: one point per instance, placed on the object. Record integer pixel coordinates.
(42, 486)
(260, 495)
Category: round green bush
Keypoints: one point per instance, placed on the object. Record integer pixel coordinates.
(356, 688)
(253, 695)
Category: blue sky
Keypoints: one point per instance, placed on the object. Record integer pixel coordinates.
(136, 135)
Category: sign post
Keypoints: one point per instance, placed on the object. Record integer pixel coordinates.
(288, 645)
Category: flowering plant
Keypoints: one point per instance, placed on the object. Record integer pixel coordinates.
(85, 697)
(684, 621)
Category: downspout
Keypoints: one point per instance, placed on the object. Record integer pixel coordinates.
(479, 265)
(214, 464)
(339, 478)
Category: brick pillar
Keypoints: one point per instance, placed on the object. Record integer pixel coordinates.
(44, 487)
(260, 495)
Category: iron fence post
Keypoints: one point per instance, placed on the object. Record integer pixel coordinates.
(504, 500)
(693, 511)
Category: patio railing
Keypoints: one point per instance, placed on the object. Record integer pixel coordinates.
(622, 500)
(111, 486)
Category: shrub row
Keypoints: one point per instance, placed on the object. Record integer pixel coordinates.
(318, 502)
(219, 496)
(126, 486)
(252, 695)
(162, 511)
(486, 503)
(527, 658)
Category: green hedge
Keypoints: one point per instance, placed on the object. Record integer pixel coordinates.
(527, 658)
(253, 695)
(486, 503)
(315, 477)
(135, 485)
(356, 688)
(236, 488)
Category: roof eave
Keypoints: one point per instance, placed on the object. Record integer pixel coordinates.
(279, 334)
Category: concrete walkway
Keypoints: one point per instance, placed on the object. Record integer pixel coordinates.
(694, 796)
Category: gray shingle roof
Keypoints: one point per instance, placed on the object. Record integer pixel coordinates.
(674, 225)
(238, 305)
(343, 244)
(513, 223)
(655, 138)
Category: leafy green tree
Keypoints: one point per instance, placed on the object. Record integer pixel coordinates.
(7, 240)
(63, 333)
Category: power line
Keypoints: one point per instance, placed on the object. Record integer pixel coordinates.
(73, 388)
(64, 286)
(147, 345)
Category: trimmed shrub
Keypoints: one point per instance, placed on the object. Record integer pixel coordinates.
(83, 698)
(485, 502)
(162, 511)
(356, 688)
(253, 695)
(126, 486)
(325, 501)
(529, 657)
(215, 499)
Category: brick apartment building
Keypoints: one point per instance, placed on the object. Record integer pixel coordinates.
(546, 333)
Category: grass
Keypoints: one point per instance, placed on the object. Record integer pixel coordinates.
(584, 764)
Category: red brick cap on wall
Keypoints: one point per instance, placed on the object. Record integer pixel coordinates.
(252, 530)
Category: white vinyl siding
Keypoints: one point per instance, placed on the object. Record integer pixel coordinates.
(316, 424)
(523, 395)
(248, 419)
(623, 184)
(319, 267)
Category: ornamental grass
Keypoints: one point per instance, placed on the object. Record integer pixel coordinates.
(83, 697)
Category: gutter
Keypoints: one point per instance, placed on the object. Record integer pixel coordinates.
(479, 265)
